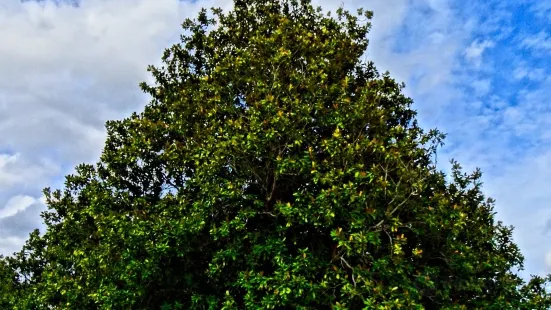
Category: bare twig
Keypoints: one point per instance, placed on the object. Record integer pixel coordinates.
(386, 177)
(394, 210)
(345, 262)
(348, 265)
(268, 213)
(394, 198)
(390, 238)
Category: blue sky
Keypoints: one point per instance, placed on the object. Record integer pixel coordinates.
(477, 70)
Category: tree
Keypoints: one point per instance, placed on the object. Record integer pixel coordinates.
(273, 169)
(7, 284)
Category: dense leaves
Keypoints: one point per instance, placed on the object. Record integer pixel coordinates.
(273, 169)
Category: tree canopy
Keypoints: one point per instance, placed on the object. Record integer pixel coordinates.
(272, 169)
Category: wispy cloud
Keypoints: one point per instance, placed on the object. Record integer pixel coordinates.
(16, 204)
(6, 162)
(11, 244)
(539, 41)
(473, 53)
(525, 71)
(541, 9)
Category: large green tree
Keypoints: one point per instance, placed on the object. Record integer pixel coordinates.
(273, 169)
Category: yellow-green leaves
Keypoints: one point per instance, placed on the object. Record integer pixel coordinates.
(337, 133)
(417, 252)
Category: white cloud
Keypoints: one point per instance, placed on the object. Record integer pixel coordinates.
(539, 41)
(481, 87)
(474, 52)
(16, 204)
(532, 114)
(542, 9)
(523, 197)
(16, 170)
(533, 74)
(7, 160)
(548, 261)
(10, 244)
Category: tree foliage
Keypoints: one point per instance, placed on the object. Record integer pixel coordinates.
(273, 169)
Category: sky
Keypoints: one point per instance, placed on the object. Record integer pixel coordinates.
(477, 70)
